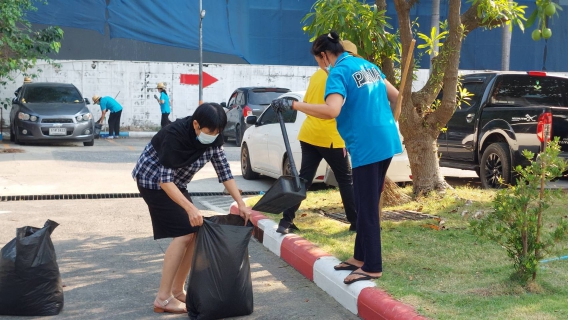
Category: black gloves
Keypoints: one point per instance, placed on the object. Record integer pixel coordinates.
(281, 105)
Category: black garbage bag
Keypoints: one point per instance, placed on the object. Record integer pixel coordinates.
(30, 283)
(220, 284)
(97, 132)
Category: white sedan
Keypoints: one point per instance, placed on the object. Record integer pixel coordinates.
(263, 151)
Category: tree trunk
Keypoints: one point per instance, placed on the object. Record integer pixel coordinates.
(423, 157)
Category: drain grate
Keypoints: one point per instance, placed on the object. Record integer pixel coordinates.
(89, 196)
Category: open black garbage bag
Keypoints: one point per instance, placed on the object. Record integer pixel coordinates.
(220, 284)
(30, 283)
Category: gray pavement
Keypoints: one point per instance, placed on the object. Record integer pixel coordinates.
(110, 264)
(104, 168)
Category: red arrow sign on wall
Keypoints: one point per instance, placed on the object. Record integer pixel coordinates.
(193, 79)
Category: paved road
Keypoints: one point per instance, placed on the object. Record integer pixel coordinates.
(104, 168)
(110, 264)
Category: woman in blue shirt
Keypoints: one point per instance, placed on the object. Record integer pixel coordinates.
(108, 103)
(363, 102)
(164, 102)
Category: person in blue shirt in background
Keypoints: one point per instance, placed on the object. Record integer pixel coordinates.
(363, 104)
(108, 103)
(164, 102)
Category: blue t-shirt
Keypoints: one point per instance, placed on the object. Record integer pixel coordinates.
(110, 104)
(165, 107)
(365, 122)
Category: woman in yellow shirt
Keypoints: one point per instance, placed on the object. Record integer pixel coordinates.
(319, 140)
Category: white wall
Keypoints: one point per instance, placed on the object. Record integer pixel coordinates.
(135, 83)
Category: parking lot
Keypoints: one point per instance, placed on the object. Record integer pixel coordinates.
(71, 168)
(109, 263)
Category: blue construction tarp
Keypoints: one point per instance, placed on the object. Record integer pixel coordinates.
(270, 31)
(173, 23)
(84, 14)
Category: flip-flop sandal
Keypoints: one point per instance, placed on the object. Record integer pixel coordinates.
(364, 277)
(348, 266)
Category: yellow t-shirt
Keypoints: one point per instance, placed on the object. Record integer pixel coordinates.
(316, 131)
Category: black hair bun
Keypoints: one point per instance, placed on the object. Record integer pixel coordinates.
(333, 36)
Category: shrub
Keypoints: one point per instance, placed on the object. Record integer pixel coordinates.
(516, 222)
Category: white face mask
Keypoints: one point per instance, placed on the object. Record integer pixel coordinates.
(205, 138)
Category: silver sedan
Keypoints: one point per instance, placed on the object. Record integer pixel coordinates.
(51, 112)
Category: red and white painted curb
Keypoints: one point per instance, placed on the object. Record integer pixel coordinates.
(362, 298)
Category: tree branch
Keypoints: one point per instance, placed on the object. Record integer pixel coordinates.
(471, 21)
(448, 73)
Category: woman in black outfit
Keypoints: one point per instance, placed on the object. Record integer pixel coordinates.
(165, 167)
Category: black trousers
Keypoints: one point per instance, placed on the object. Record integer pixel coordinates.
(114, 123)
(368, 184)
(339, 163)
(165, 120)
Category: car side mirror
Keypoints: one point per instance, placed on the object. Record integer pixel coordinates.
(87, 101)
(251, 120)
(224, 105)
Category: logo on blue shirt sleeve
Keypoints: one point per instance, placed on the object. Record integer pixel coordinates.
(366, 76)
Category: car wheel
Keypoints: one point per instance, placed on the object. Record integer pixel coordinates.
(495, 164)
(246, 168)
(286, 168)
(238, 138)
(89, 143)
(17, 139)
(12, 134)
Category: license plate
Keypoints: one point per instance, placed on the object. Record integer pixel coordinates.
(57, 131)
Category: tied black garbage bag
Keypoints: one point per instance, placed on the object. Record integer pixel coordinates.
(30, 283)
(220, 284)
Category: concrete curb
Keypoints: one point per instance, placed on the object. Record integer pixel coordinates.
(362, 298)
(127, 134)
(133, 134)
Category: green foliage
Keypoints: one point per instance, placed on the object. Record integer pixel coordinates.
(517, 220)
(20, 46)
(495, 13)
(362, 24)
(431, 40)
(545, 10)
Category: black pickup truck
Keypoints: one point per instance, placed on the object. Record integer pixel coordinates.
(508, 113)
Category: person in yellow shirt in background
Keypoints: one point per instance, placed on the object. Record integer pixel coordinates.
(319, 140)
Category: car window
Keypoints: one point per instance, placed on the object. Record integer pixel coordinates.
(51, 94)
(269, 116)
(240, 99)
(232, 100)
(475, 89)
(263, 97)
(526, 91)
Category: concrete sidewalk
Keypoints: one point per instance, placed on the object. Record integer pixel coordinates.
(110, 264)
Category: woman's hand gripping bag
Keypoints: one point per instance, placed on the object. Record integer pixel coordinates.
(30, 282)
(220, 284)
